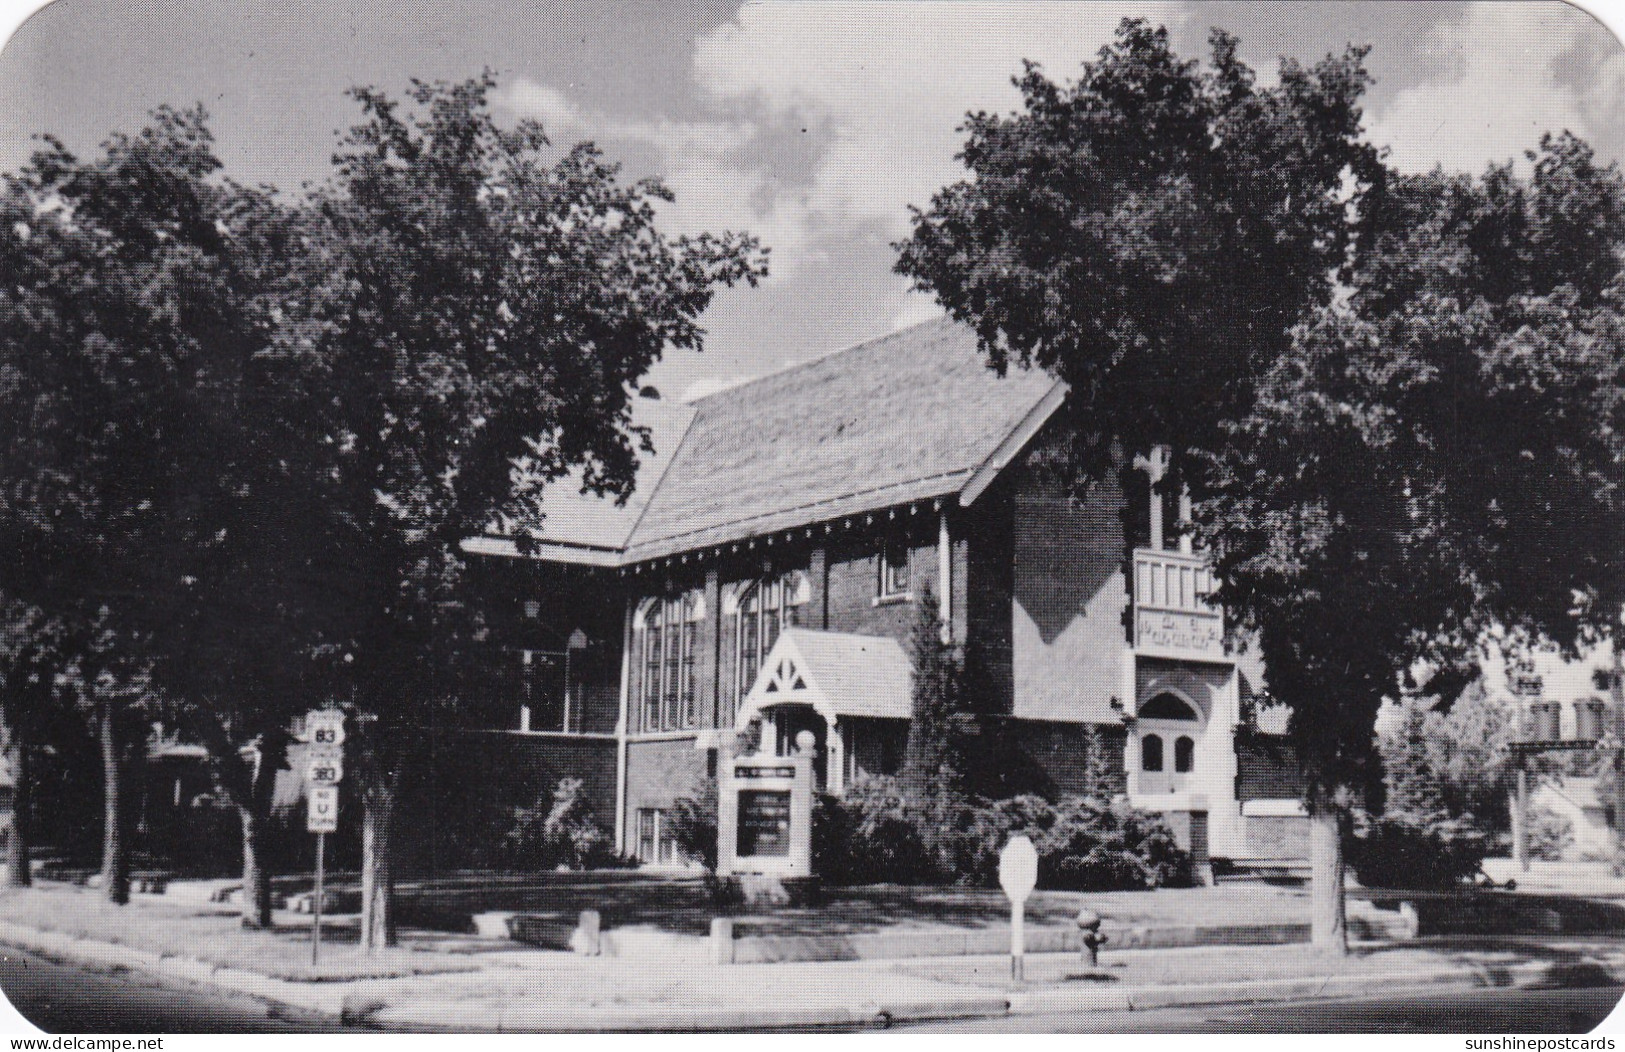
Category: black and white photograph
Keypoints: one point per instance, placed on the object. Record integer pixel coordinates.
(594, 517)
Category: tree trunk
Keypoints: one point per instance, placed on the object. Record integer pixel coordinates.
(115, 842)
(256, 875)
(18, 874)
(1328, 915)
(255, 812)
(377, 875)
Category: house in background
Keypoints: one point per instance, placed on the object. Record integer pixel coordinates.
(1560, 703)
(766, 575)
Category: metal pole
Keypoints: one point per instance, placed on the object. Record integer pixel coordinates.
(316, 906)
(1520, 818)
(1018, 939)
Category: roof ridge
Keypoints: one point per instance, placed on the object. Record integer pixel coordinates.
(817, 359)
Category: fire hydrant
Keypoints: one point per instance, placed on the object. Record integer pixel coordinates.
(1088, 922)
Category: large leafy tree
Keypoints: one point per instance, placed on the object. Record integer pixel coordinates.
(490, 304)
(1373, 473)
(144, 439)
(1151, 233)
(1441, 456)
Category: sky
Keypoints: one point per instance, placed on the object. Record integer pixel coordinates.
(813, 124)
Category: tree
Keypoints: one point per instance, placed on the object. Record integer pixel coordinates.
(1452, 762)
(30, 665)
(1394, 494)
(932, 763)
(1151, 234)
(487, 311)
(1373, 475)
(122, 344)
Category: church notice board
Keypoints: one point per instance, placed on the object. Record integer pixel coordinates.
(764, 816)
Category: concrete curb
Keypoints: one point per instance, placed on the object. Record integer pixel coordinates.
(324, 998)
(534, 1018)
(1142, 998)
(340, 1000)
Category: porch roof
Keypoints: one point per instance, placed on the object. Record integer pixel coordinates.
(836, 673)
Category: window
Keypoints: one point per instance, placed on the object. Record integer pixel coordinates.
(670, 641)
(1184, 754)
(1151, 753)
(648, 833)
(525, 690)
(893, 568)
(656, 843)
(766, 608)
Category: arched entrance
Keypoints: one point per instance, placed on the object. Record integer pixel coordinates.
(1167, 727)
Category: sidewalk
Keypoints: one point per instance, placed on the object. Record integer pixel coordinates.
(503, 988)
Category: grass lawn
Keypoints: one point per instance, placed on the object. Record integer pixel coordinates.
(683, 907)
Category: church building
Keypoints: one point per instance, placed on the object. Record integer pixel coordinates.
(765, 577)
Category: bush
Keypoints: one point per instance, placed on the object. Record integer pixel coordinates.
(869, 836)
(1406, 850)
(559, 831)
(1083, 844)
(1550, 834)
(694, 827)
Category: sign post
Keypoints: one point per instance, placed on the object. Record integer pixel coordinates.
(1018, 875)
(324, 769)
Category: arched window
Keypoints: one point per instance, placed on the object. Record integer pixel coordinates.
(1151, 753)
(766, 608)
(669, 638)
(1167, 706)
(1184, 754)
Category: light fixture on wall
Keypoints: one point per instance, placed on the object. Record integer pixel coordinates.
(533, 609)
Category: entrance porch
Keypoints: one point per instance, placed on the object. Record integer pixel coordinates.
(851, 693)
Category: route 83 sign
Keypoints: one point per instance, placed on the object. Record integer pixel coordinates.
(324, 727)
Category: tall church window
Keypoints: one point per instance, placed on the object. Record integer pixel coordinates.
(669, 637)
(766, 608)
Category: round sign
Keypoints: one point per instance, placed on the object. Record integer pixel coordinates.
(1018, 868)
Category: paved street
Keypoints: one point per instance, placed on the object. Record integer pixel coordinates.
(1490, 1011)
(62, 999)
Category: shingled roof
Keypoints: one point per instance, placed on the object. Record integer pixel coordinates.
(910, 416)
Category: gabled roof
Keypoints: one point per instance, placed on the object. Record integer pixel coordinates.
(836, 673)
(911, 416)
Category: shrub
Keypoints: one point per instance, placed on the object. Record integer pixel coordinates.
(1423, 851)
(559, 831)
(869, 836)
(1083, 844)
(694, 826)
(1550, 834)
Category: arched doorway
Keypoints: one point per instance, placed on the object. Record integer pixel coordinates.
(1167, 726)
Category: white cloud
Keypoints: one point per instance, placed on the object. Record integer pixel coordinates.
(892, 81)
(1503, 90)
(698, 160)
